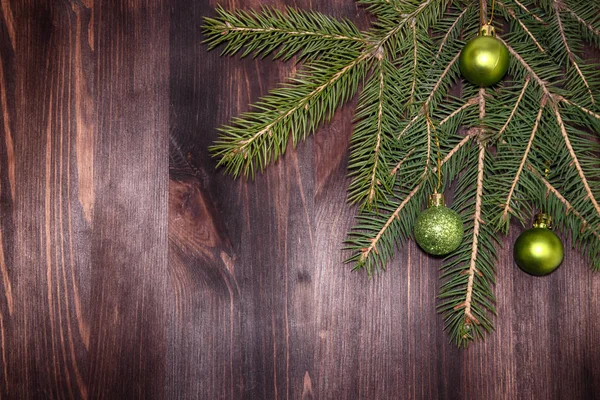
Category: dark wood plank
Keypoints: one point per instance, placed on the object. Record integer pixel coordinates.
(84, 181)
(46, 331)
(129, 243)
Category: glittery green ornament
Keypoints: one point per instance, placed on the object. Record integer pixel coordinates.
(538, 251)
(439, 229)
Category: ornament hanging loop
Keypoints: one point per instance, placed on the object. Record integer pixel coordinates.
(492, 14)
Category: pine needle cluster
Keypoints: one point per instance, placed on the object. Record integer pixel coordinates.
(528, 143)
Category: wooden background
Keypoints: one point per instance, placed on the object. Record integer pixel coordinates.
(130, 268)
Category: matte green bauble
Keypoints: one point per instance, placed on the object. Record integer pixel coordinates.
(439, 229)
(538, 251)
(484, 60)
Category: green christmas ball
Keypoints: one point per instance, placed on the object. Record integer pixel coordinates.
(538, 251)
(439, 229)
(484, 60)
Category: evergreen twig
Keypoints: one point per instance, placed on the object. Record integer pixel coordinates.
(541, 119)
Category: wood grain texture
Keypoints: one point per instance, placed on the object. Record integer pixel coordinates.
(84, 184)
(131, 268)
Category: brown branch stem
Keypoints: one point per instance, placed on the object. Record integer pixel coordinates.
(230, 28)
(378, 143)
(568, 206)
(514, 16)
(585, 110)
(529, 12)
(570, 53)
(514, 110)
(583, 22)
(415, 64)
(541, 83)
(397, 167)
(447, 35)
(303, 102)
(409, 125)
(565, 135)
(523, 160)
(470, 102)
(441, 78)
(483, 12)
(469, 317)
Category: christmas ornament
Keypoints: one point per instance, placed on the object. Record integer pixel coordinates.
(484, 60)
(439, 229)
(538, 251)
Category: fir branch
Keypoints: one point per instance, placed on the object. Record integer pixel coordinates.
(415, 63)
(450, 31)
(375, 122)
(514, 110)
(241, 145)
(466, 293)
(228, 28)
(513, 149)
(583, 22)
(396, 17)
(373, 180)
(471, 102)
(454, 150)
(517, 2)
(469, 317)
(510, 12)
(507, 207)
(541, 83)
(439, 81)
(407, 127)
(561, 198)
(397, 167)
(295, 31)
(395, 214)
(575, 159)
(257, 138)
(585, 110)
(431, 96)
(302, 103)
(571, 56)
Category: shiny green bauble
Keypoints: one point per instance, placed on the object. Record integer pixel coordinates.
(538, 251)
(484, 60)
(439, 229)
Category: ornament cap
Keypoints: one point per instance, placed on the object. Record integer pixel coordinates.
(436, 200)
(542, 220)
(487, 30)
